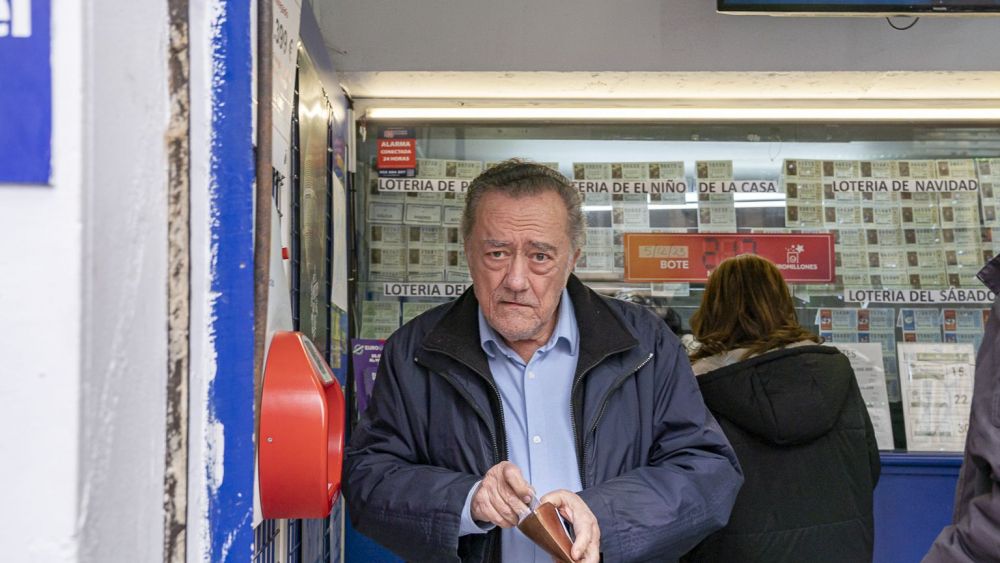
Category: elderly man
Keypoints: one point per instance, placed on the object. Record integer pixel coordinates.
(532, 384)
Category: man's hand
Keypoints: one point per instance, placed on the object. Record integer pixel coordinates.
(502, 496)
(587, 545)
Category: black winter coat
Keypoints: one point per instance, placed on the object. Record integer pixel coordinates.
(800, 428)
(656, 469)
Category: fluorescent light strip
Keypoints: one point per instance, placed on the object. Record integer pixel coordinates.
(654, 206)
(688, 113)
(759, 196)
(751, 204)
(658, 206)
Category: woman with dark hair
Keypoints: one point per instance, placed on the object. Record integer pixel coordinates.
(794, 414)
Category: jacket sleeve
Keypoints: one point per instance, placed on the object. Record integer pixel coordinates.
(974, 534)
(686, 491)
(409, 507)
(874, 460)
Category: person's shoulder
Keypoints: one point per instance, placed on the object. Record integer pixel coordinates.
(806, 359)
(413, 332)
(634, 315)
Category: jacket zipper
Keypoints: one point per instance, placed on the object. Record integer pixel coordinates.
(493, 436)
(492, 548)
(604, 405)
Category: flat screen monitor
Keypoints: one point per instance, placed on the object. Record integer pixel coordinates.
(859, 7)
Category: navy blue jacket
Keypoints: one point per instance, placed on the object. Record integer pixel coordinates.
(656, 468)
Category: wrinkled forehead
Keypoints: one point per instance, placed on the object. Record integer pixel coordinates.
(541, 224)
(539, 245)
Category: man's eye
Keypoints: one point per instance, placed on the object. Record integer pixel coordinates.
(540, 257)
(496, 254)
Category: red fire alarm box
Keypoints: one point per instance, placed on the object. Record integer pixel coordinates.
(301, 441)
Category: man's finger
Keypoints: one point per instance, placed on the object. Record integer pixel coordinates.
(499, 501)
(514, 479)
(492, 516)
(588, 533)
(581, 543)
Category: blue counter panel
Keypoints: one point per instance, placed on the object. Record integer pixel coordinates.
(913, 502)
(358, 547)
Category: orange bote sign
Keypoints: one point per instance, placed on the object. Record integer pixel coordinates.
(667, 257)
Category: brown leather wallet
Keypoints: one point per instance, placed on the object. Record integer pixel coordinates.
(544, 527)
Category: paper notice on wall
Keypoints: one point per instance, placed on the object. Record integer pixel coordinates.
(866, 361)
(877, 326)
(964, 326)
(285, 32)
(937, 382)
(716, 211)
(920, 325)
(379, 319)
(367, 354)
(989, 190)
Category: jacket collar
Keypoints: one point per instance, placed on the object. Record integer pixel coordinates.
(990, 274)
(602, 332)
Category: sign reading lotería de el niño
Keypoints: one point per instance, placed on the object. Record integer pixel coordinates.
(690, 257)
(25, 92)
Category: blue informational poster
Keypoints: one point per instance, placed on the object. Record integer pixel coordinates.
(25, 92)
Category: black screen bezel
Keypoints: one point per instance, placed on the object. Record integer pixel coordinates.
(944, 7)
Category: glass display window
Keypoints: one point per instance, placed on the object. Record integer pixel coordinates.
(909, 210)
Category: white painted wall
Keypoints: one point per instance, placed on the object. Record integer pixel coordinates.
(636, 35)
(201, 457)
(40, 327)
(123, 392)
(82, 302)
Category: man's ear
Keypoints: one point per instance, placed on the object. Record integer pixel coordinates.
(576, 256)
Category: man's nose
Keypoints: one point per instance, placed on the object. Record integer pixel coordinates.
(517, 274)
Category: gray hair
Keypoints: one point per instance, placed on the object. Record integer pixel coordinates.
(517, 178)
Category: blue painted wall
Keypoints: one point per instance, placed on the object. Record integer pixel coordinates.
(231, 395)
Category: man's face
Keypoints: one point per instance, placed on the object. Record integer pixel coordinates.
(520, 257)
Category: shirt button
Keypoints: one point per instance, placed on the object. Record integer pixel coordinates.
(531, 375)
(537, 439)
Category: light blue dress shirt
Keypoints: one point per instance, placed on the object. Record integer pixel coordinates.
(536, 407)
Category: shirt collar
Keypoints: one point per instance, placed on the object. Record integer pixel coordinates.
(566, 330)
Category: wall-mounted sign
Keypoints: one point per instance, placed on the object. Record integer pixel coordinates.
(25, 92)
(284, 56)
(396, 152)
(689, 257)
(366, 353)
(403, 289)
(950, 295)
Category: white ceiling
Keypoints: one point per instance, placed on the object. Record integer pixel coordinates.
(648, 50)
